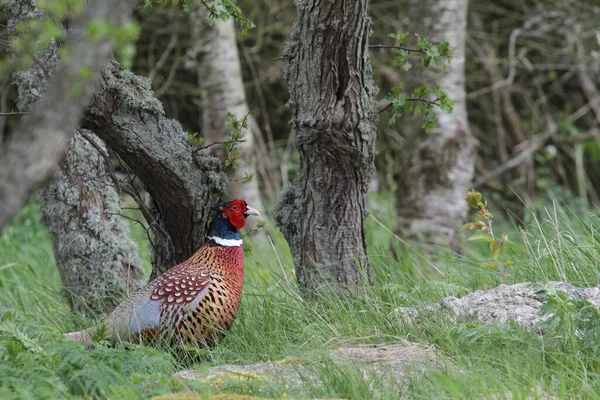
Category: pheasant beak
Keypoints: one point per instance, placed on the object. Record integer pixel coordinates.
(251, 211)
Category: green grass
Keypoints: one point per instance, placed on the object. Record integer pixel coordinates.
(275, 323)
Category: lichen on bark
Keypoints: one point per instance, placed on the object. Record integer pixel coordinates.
(96, 258)
(98, 261)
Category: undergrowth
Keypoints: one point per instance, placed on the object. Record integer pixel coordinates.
(275, 323)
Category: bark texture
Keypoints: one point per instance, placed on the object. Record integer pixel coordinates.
(222, 88)
(183, 184)
(97, 259)
(95, 255)
(31, 157)
(331, 96)
(436, 169)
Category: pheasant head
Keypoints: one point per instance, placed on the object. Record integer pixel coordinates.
(228, 219)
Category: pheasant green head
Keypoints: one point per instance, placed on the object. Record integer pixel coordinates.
(228, 218)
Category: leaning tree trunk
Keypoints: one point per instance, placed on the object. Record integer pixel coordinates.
(436, 169)
(222, 90)
(96, 258)
(331, 96)
(183, 185)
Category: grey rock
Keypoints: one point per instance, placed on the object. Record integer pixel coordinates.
(520, 303)
(395, 360)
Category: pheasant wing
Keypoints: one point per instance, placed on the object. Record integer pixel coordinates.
(167, 300)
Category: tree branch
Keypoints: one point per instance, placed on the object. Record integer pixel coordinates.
(183, 184)
(6, 114)
(395, 46)
(535, 144)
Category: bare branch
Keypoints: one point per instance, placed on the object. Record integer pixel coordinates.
(395, 46)
(6, 114)
(534, 145)
(216, 143)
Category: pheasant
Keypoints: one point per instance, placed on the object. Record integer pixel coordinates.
(194, 302)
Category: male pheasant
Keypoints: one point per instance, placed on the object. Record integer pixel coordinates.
(194, 302)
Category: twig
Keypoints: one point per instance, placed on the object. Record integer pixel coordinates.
(197, 149)
(211, 14)
(160, 91)
(593, 134)
(395, 46)
(6, 114)
(107, 161)
(163, 58)
(152, 223)
(585, 81)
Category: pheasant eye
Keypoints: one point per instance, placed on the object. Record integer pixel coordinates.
(235, 207)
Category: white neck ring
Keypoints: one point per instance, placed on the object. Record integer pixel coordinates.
(225, 242)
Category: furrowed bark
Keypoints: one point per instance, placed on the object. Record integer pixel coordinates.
(31, 157)
(182, 183)
(220, 80)
(436, 169)
(331, 95)
(97, 260)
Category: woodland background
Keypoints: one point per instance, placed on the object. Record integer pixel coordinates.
(532, 82)
(526, 63)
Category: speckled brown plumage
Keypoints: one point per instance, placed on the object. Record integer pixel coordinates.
(219, 273)
(194, 302)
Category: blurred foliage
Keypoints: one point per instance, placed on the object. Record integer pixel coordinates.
(523, 76)
(533, 69)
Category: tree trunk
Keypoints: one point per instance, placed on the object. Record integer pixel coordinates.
(32, 156)
(183, 184)
(331, 95)
(95, 255)
(97, 260)
(220, 81)
(436, 169)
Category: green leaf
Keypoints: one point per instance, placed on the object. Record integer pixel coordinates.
(481, 237)
(473, 197)
(97, 29)
(494, 248)
(399, 37)
(473, 226)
